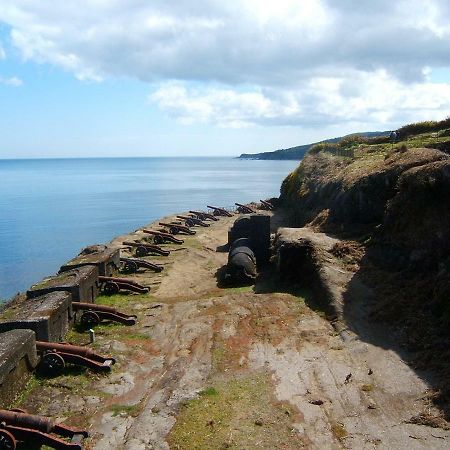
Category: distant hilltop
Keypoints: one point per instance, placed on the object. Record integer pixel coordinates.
(297, 153)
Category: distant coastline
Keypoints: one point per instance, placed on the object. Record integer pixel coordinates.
(297, 153)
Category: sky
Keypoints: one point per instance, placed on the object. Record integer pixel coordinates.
(85, 78)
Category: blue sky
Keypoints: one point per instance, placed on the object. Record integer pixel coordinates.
(133, 78)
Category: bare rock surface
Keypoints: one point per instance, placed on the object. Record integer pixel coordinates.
(247, 368)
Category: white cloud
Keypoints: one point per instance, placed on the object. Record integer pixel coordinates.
(251, 61)
(12, 81)
(368, 99)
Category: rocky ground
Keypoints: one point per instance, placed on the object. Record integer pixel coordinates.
(246, 368)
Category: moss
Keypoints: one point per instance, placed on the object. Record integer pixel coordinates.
(234, 414)
(125, 410)
(339, 431)
(367, 387)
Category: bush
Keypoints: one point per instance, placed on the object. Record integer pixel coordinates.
(423, 127)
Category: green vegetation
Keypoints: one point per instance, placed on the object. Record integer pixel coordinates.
(128, 410)
(235, 414)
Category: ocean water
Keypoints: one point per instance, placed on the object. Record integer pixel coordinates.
(51, 209)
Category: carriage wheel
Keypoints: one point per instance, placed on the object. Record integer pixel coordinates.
(189, 223)
(110, 288)
(89, 319)
(141, 251)
(129, 267)
(7, 440)
(174, 230)
(157, 239)
(52, 364)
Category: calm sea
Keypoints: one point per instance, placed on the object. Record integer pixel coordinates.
(50, 209)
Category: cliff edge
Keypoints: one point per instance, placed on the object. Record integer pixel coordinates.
(390, 205)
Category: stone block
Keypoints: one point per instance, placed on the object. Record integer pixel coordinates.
(106, 259)
(18, 358)
(82, 283)
(49, 316)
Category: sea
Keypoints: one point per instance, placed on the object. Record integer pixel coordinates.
(52, 208)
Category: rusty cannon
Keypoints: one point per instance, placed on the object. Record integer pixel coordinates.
(191, 221)
(266, 205)
(132, 265)
(244, 209)
(220, 211)
(241, 267)
(112, 285)
(143, 249)
(204, 215)
(93, 314)
(23, 430)
(177, 228)
(159, 237)
(55, 356)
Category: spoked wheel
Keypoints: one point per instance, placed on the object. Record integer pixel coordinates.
(129, 267)
(189, 223)
(52, 364)
(110, 288)
(89, 319)
(158, 239)
(7, 440)
(174, 230)
(141, 251)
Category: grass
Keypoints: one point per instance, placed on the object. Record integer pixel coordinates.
(367, 387)
(234, 414)
(127, 410)
(339, 431)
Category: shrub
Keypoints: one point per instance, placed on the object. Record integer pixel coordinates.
(423, 127)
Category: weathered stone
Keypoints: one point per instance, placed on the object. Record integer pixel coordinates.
(18, 358)
(106, 259)
(48, 316)
(82, 283)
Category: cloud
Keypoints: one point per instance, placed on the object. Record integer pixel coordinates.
(249, 61)
(12, 81)
(369, 100)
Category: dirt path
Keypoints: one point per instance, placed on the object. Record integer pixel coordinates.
(212, 368)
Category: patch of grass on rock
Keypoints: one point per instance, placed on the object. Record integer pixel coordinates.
(235, 414)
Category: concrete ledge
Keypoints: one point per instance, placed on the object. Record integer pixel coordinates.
(82, 283)
(49, 316)
(18, 359)
(107, 260)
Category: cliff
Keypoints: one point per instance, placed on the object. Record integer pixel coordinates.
(391, 205)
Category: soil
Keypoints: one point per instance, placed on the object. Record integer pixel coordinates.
(243, 368)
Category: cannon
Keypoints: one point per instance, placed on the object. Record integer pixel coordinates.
(92, 315)
(143, 249)
(55, 356)
(266, 205)
(191, 221)
(176, 228)
(17, 427)
(204, 216)
(244, 209)
(131, 265)
(160, 237)
(241, 267)
(112, 285)
(220, 211)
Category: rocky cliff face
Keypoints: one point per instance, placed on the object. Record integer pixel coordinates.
(396, 205)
